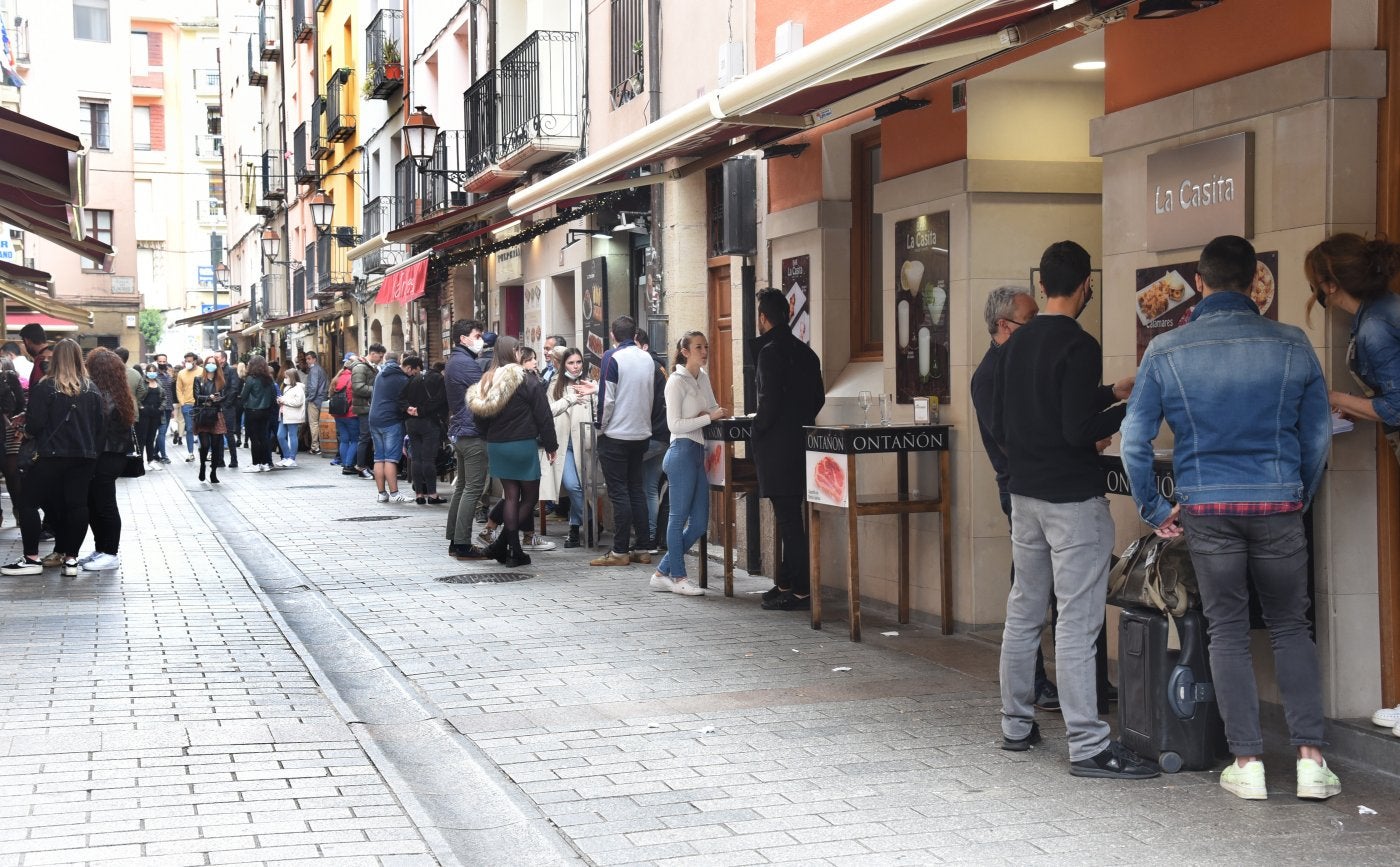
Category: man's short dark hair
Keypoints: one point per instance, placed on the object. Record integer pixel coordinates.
(34, 333)
(413, 361)
(1227, 264)
(558, 340)
(311, 354)
(193, 355)
(123, 353)
(624, 328)
(11, 348)
(464, 327)
(1064, 266)
(774, 307)
(376, 347)
(642, 338)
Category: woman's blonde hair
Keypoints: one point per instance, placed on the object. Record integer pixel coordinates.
(66, 368)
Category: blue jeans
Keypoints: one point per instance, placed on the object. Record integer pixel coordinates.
(347, 435)
(690, 503)
(574, 485)
(651, 476)
(161, 434)
(187, 410)
(287, 439)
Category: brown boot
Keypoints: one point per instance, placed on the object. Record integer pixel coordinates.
(640, 557)
(612, 558)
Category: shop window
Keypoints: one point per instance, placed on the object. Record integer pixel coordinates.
(867, 251)
(99, 228)
(91, 20)
(95, 124)
(627, 50)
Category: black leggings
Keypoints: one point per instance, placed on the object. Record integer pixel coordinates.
(256, 422)
(64, 483)
(424, 438)
(146, 426)
(519, 502)
(103, 515)
(213, 441)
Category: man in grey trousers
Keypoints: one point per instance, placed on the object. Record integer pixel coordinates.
(1049, 411)
(468, 446)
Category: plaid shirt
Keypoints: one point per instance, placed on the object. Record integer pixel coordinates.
(1245, 509)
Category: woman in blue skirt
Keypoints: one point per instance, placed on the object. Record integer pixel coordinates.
(511, 411)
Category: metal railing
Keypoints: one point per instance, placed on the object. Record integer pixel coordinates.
(269, 35)
(448, 171)
(299, 290)
(303, 22)
(274, 175)
(383, 61)
(379, 215)
(320, 147)
(303, 165)
(540, 91)
(209, 147)
(255, 74)
(333, 269)
(20, 34)
(626, 43)
(340, 125)
(209, 211)
(483, 113)
(409, 192)
(206, 80)
(273, 292)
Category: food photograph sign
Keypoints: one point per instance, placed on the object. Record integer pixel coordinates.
(797, 286)
(594, 274)
(1166, 296)
(826, 479)
(921, 307)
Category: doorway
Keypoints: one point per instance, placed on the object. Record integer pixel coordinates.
(1387, 473)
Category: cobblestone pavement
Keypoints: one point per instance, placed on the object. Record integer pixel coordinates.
(645, 727)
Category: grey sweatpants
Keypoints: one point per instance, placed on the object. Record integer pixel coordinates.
(1064, 547)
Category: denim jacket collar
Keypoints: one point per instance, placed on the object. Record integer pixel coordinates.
(1224, 302)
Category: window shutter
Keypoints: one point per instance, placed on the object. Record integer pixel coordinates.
(157, 127)
(155, 51)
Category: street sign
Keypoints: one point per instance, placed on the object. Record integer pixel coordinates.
(206, 275)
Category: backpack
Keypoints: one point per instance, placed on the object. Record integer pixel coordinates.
(340, 402)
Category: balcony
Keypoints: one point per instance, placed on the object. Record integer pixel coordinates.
(340, 125)
(409, 193)
(447, 172)
(274, 176)
(255, 74)
(320, 148)
(333, 271)
(271, 301)
(304, 168)
(209, 211)
(269, 35)
(379, 216)
(303, 21)
(384, 65)
(206, 81)
(299, 290)
(539, 87)
(482, 106)
(209, 147)
(19, 33)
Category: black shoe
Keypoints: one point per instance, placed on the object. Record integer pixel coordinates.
(1116, 762)
(516, 560)
(349, 472)
(788, 601)
(435, 501)
(467, 552)
(367, 474)
(773, 593)
(573, 540)
(1048, 698)
(498, 550)
(422, 501)
(1023, 744)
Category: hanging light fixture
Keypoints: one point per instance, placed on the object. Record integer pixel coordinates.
(271, 243)
(419, 135)
(322, 210)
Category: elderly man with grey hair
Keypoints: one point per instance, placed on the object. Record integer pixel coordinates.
(1008, 308)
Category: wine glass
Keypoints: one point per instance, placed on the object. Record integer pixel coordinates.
(863, 400)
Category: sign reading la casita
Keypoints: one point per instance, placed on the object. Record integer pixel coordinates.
(1201, 191)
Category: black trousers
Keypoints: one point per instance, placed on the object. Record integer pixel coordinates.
(794, 572)
(256, 422)
(64, 485)
(424, 439)
(232, 415)
(621, 462)
(103, 515)
(146, 426)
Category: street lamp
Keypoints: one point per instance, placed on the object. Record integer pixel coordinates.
(271, 244)
(420, 135)
(322, 210)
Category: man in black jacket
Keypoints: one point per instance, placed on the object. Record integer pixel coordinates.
(233, 386)
(790, 394)
(1049, 412)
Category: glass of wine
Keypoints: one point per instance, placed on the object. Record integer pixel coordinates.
(864, 400)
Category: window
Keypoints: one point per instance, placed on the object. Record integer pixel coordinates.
(141, 127)
(95, 124)
(140, 52)
(100, 228)
(216, 187)
(627, 50)
(867, 251)
(214, 122)
(90, 20)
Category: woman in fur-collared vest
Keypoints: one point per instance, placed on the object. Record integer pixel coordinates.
(511, 412)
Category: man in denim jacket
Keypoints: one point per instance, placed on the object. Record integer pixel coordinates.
(1247, 404)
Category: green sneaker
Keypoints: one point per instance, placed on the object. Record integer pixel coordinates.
(1316, 781)
(1245, 782)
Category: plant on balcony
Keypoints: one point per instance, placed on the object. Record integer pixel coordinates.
(393, 63)
(371, 73)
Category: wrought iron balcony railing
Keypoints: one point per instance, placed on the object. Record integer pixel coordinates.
(209, 147)
(269, 29)
(340, 125)
(383, 62)
(483, 114)
(448, 171)
(409, 193)
(206, 81)
(539, 84)
(303, 21)
(320, 145)
(303, 165)
(256, 76)
(274, 176)
(333, 269)
(299, 290)
(379, 216)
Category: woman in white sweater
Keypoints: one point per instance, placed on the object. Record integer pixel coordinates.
(292, 416)
(690, 405)
(571, 402)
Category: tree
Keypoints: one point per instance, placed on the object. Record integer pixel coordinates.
(151, 324)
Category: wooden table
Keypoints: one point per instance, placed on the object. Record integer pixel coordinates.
(844, 444)
(729, 476)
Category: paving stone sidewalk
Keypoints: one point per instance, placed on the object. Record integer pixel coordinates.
(157, 715)
(652, 728)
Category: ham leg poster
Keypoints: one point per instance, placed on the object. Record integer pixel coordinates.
(826, 479)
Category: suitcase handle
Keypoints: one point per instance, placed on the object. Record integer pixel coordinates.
(1184, 692)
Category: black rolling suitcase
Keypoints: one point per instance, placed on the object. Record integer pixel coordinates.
(1166, 701)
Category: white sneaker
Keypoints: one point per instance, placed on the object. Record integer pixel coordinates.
(265, 468)
(683, 587)
(1387, 717)
(290, 463)
(253, 469)
(89, 558)
(70, 567)
(661, 583)
(536, 542)
(395, 497)
(189, 456)
(382, 496)
(486, 536)
(101, 563)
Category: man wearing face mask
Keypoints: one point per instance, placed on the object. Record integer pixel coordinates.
(468, 447)
(1049, 411)
(184, 396)
(233, 408)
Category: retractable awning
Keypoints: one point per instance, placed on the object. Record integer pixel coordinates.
(34, 297)
(297, 318)
(15, 321)
(441, 222)
(406, 282)
(214, 315)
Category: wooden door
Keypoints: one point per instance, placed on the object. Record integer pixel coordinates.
(1387, 476)
(721, 335)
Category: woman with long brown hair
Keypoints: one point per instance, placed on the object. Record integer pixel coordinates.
(209, 418)
(67, 423)
(104, 517)
(571, 398)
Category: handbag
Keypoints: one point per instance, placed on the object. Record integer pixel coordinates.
(135, 466)
(1156, 573)
(340, 402)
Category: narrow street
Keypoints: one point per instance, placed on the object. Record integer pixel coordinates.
(262, 682)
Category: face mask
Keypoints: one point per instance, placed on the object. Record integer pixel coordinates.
(189, 365)
(1088, 296)
(1321, 297)
(572, 375)
(151, 374)
(211, 367)
(477, 345)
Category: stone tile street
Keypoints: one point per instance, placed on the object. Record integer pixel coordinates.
(270, 677)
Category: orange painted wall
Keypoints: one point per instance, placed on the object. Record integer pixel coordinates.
(818, 18)
(1148, 60)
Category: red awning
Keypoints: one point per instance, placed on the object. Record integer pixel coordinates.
(16, 321)
(403, 284)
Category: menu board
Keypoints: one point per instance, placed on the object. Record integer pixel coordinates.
(594, 273)
(797, 286)
(1166, 296)
(921, 308)
(533, 335)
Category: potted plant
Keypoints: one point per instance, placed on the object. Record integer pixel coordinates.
(393, 64)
